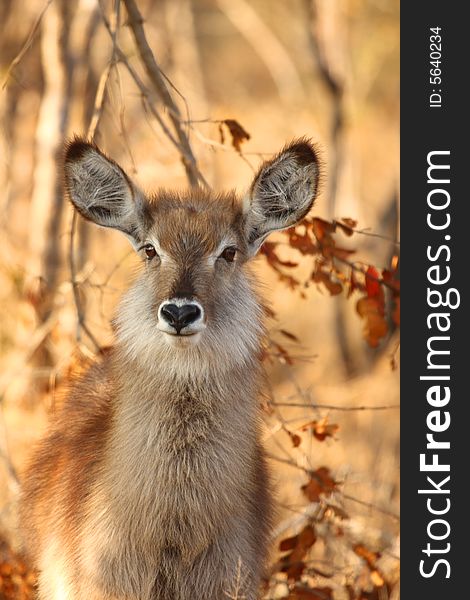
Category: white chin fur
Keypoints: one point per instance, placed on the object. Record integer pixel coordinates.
(190, 331)
(182, 341)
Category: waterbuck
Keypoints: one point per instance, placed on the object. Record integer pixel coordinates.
(151, 483)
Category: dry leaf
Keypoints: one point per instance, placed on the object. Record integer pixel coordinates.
(322, 229)
(320, 482)
(375, 326)
(239, 135)
(321, 429)
(289, 335)
(377, 578)
(345, 229)
(373, 287)
(316, 593)
(296, 439)
(292, 564)
(349, 222)
(320, 276)
(370, 557)
(302, 242)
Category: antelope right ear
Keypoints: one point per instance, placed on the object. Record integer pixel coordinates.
(101, 191)
(282, 192)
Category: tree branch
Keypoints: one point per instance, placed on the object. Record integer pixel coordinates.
(333, 407)
(155, 75)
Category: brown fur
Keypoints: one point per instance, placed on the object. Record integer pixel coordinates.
(151, 484)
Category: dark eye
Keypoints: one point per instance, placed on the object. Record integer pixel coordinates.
(150, 251)
(229, 254)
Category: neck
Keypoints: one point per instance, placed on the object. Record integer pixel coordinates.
(182, 424)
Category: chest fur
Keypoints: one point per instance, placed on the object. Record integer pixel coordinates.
(183, 474)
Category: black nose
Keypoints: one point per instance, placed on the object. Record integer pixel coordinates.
(180, 316)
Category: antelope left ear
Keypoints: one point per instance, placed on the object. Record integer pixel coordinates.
(282, 192)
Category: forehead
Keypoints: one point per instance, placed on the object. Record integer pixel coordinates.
(196, 220)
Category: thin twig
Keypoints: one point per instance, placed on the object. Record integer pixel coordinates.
(99, 102)
(377, 235)
(219, 146)
(393, 355)
(288, 462)
(333, 407)
(309, 472)
(354, 266)
(35, 341)
(27, 45)
(103, 82)
(371, 506)
(146, 96)
(95, 121)
(122, 120)
(81, 324)
(10, 467)
(154, 73)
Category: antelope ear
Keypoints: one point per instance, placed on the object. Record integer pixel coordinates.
(282, 192)
(101, 191)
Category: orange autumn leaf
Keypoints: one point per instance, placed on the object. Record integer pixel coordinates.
(302, 242)
(320, 276)
(238, 133)
(354, 284)
(268, 249)
(373, 282)
(375, 325)
(295, 439)
(349, 222)
(320, 482)
(368, 555)
(322, 229)
(376, 578)
(317, 593)
(292, 564)
(302, 541)
(345, 229)
(17, 580)
(321, 429)
(390, 278)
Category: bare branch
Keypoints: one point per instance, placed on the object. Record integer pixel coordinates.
(148, 100)
(75, 289)
(26, 46)
(92, 131)
(146, 95)
(333, 406)
(371, 506)
(36, 340)
(155, 75)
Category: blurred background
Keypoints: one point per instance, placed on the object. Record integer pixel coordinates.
(229, 83)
